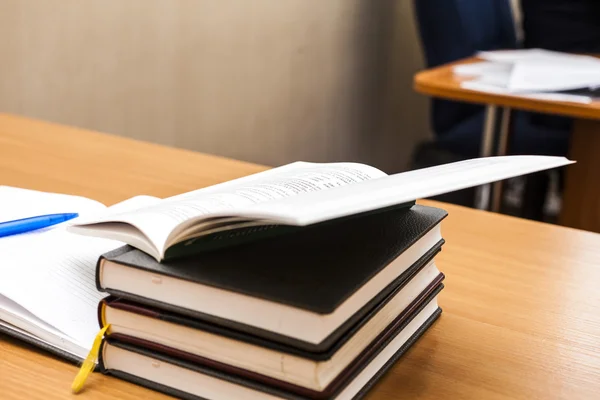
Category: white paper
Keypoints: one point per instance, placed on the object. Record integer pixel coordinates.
(158, 221)
(482, 68)
(321, 194)
(375, 194)
(551, 77)
(17, 203)
(532, 73)
(19, 319)
(489, 88)
(535, 55)
(52, 276)
(51, 272)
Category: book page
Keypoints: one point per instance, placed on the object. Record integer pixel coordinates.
(289, 170)
(400, 188)
(51, 273)
(158, 221)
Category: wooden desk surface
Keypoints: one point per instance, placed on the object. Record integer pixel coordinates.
(521, 305)
(441, 82)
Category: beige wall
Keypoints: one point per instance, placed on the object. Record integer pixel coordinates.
(269, 81)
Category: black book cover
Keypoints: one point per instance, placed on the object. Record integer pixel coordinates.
(279, 341)
(298, 269)
(320, 355)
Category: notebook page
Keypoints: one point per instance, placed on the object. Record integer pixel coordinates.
(52, 276)
(51, 273)
(17, 203)
(395, 189)
(158, 221)
(11, 308)
(11, 313)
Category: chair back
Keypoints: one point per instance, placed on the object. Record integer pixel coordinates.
(455, 29)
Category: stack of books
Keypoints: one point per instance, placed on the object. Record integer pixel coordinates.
(306, 281)
(246, 292)
(318, 313)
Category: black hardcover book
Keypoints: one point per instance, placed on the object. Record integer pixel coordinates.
(303, 289)
(183, 379)
(317, 379)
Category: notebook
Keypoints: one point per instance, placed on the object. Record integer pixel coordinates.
(303, 289)
(283, 198)
(48, 295)
(188, 380)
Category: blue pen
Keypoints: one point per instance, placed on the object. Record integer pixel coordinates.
(33, 223)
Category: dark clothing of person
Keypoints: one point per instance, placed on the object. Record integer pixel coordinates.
(571, 26)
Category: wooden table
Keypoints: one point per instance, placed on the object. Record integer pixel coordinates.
(521, 305)
(581, 202)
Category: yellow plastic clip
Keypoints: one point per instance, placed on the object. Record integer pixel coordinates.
(90, 362)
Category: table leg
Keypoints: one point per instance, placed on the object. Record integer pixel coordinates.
(487, 146)
(581, 198)
(503, 139)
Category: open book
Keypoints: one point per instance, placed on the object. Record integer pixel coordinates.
(48, 293)
(294, 195)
